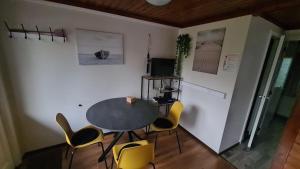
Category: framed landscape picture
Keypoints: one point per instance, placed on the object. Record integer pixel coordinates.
(208, 50)
(99, 48)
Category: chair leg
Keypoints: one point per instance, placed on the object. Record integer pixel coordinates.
(178, 141)
(155, 142)
(102, 147)
(153, 165)
(147, 130)
(67, 151)
(112, 162)
(72, 155)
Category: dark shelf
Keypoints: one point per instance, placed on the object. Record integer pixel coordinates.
(160, 77)
(164, 102)
(149, 78)
(168, 91)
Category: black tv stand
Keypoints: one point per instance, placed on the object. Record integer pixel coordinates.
(161, 101)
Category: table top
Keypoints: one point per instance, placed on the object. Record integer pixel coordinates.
(118, 115)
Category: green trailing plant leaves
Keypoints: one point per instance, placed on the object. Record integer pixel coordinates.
(182, 50)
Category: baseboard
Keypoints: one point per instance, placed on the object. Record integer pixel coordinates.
(211, 150)
(51, 147)
(229, 148)
(29, 153)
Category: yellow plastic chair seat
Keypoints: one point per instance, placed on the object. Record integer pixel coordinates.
(85, 139)
(173, 117)
(136, 157)
(117, 148)
(153, 127)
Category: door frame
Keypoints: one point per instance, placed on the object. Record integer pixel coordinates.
(271, 34)
(265, 97)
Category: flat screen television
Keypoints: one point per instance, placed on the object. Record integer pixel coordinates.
(162, 67)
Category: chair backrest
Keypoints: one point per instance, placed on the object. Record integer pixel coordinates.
(175, 112)
(136, 157)
(64, 124)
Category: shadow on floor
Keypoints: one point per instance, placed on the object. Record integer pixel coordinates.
(49, 158)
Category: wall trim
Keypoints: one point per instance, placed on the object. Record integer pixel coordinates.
(26, 154)
(198, 140)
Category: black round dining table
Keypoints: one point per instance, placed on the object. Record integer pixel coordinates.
(119, 116)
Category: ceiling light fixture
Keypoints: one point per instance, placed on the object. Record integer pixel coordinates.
(158, 2)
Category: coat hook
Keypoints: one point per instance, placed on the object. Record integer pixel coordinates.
(10, 33)
(51, 33)
(37, 29)
(24, 31)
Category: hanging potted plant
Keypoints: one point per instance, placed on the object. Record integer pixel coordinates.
(182, 51)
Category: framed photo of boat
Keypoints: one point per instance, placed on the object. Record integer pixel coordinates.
(99, 48)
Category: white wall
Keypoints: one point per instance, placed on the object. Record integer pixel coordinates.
(205, 114)
(8, 145)
(8, 130)
(47, 78)
(293, 35)
(6, 161)
(247, 80)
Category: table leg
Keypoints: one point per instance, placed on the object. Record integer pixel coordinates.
(107, 150)
(136, 135)
(130, 137)
(116, 135)
(142, 87)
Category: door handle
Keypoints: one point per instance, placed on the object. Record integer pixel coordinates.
(266, 97)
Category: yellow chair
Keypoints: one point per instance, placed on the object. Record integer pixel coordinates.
(133, 155)
(169, 123)
(80, 139)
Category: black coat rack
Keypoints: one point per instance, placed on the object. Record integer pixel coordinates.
(58, 33)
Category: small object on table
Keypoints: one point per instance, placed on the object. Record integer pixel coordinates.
(130, 99)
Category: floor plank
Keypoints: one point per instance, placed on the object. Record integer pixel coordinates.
(195, 155)
(287, 140)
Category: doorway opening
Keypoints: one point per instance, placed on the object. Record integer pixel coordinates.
(275, 96)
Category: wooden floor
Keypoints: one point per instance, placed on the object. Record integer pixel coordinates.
(288, 152)
(194, 156)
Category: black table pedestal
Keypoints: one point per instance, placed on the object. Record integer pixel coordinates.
(107, 150)
(131, 134)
